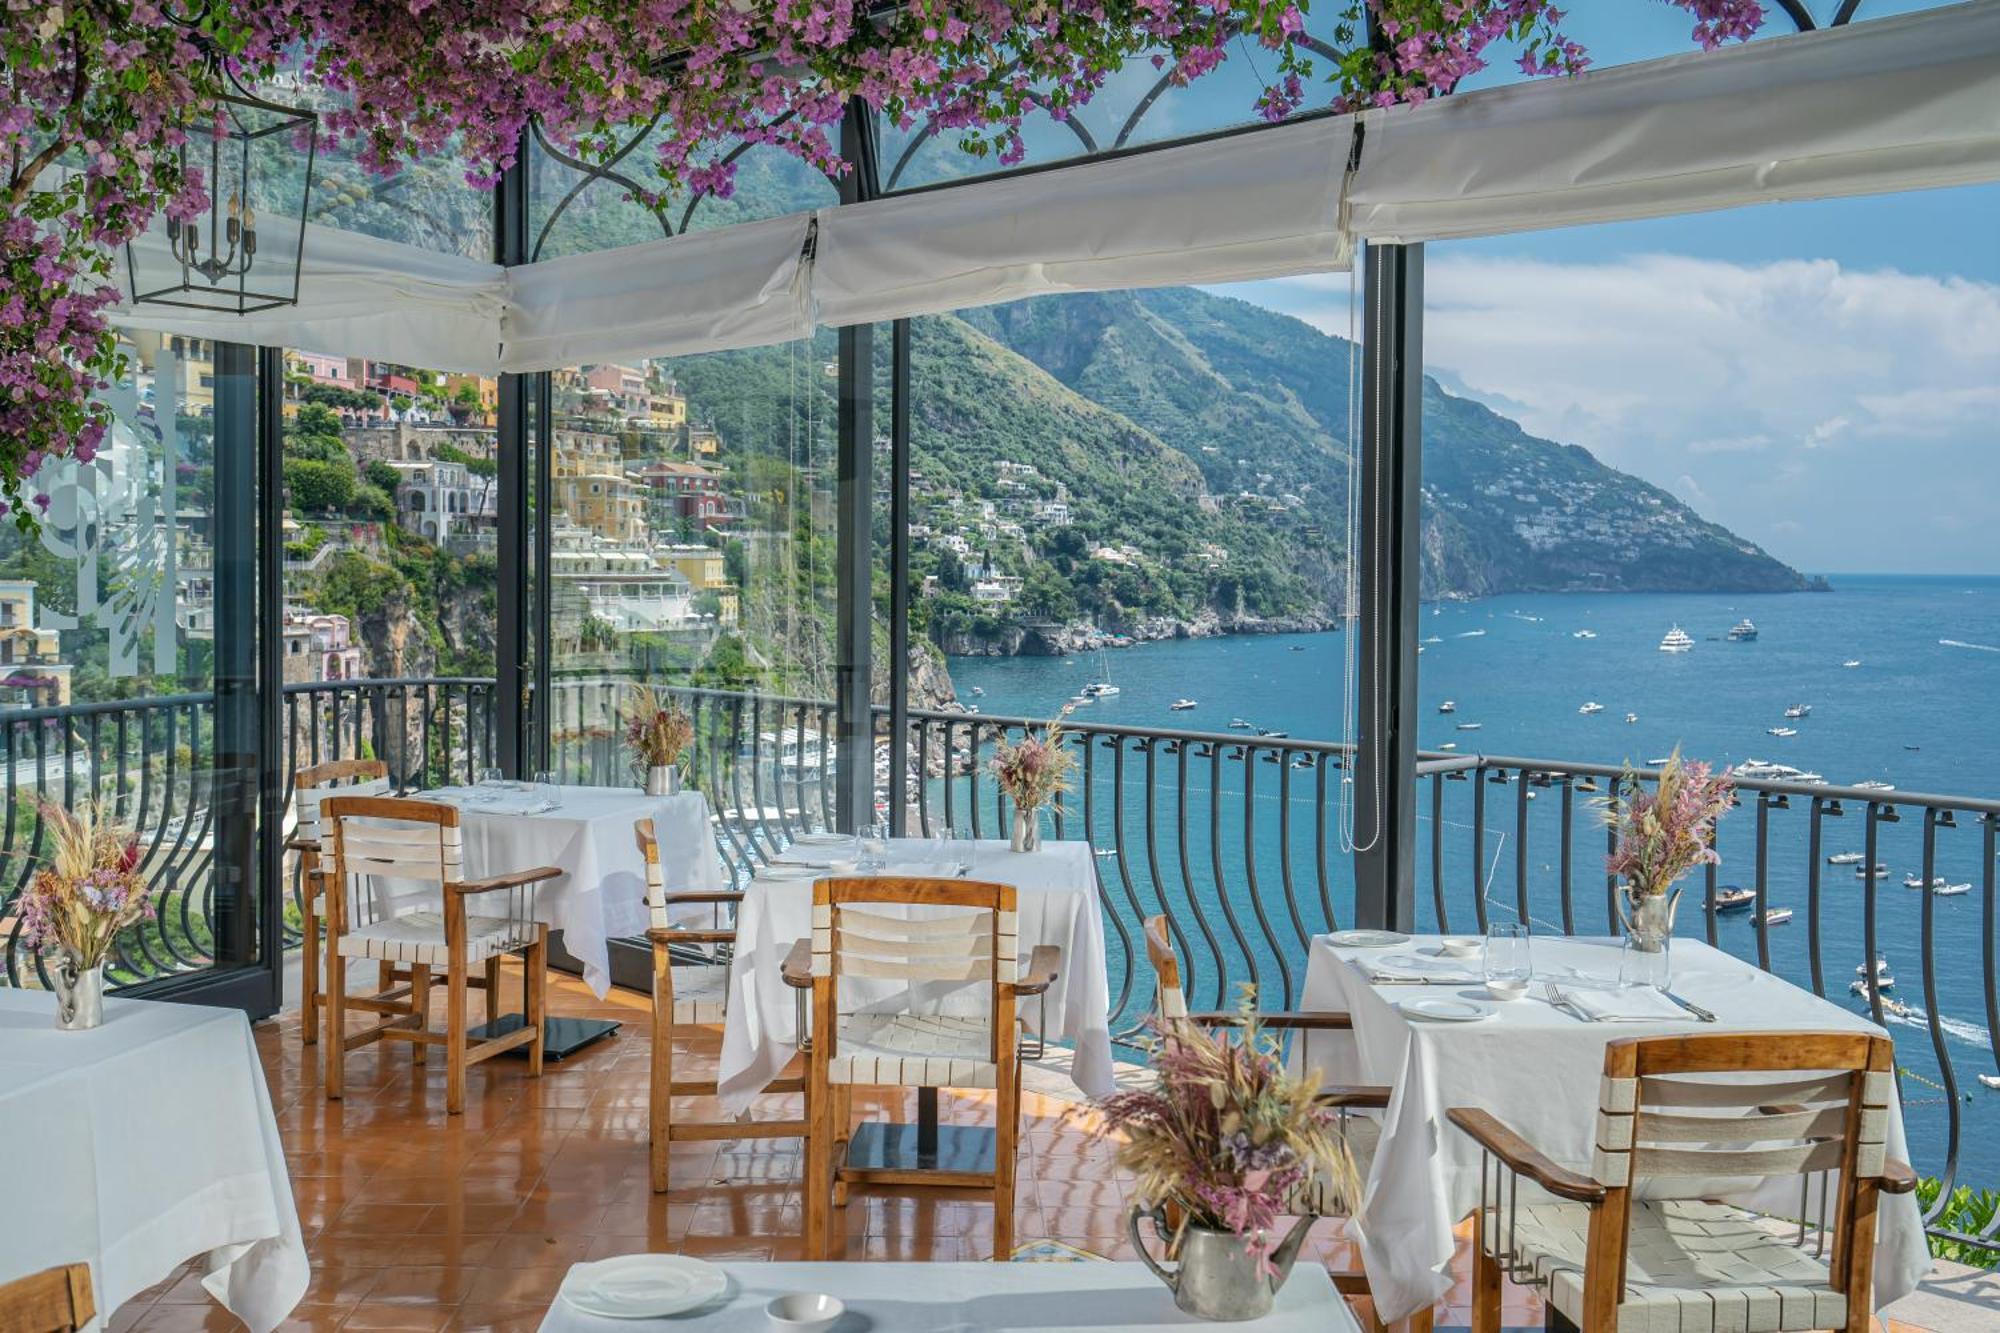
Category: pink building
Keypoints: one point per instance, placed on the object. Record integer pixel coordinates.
(323, 369)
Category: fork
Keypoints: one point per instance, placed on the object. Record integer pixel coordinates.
(1557, 1000)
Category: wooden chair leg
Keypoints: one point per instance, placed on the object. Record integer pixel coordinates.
(660, 1099)
(336, 1019)
(819, 1175)
(309, 957)
(535, 997)
(1485, 1283)
(420, 1009)
(492, 989)
(454, 1027)
(1006, 1137)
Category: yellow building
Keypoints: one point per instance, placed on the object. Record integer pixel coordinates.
(30, 674)
(666, 410)
(701, 566)
(487, 388)
(592, 491)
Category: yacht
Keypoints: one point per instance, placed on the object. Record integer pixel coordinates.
(1101, 689)
(1799, 710)
(1844, 859)
(1584, 634)
(1592, 707)
(1468, 726)
(1781, 731)
(1181, 705)
(1852, 662)
(1734, 898)
(1743, 631)
(1774, 916)
(1677, 641)
(1448, 707)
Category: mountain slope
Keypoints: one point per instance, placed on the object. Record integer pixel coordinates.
(1260, 402)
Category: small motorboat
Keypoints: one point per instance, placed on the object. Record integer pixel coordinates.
(1880, 869)
(1735, 898)
(1449, 745)
(1776, 916)
(1630, 718)
(1448, 707)
(1874, 784)
(1844, 859)
(1781, 731)
(1917, 882)
(1884, 978)
(1238, 724)
(1799, 710)
(1181, 705)
(1468, 726)
(1990, 1080)
(1951, 890)
(1852, 662)
(1591, 708)
(977, 691)
(1584, 634)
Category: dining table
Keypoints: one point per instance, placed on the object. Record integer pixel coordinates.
(1535, 1063)
(1057, 903)
(900, 1297)
(140, 1144)
(588, 835)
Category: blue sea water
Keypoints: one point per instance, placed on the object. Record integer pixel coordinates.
(1921, 711)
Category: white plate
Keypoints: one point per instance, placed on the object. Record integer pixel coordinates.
(643, 1286)
(823, 840)
(782, 870)
(1368, 939)
(1447, 1011)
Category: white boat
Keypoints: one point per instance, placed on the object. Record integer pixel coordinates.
(1101, 689)
(1743, 631)
(1951, 890)
(1883, 977)
(1661, 762)
(1181, 705)
(1917, 882)
(1584, 634)
(1473, 634)
(1631, 718)
(1799, 710)
(1468, 726)
(1447, 707)
(1874, 784)
(1449, 745)
(1434, 639)
(1990, 1080)
(1781, 731)
(1676, 641)
(1890, 1005)
(1592, 707)
(1239, 724)
(1776, 916)
(1852, 662)
(1079, 700)
(1862, 872)
(1844, 859)
(977, 691)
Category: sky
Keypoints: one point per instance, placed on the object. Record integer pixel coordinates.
(1822, 378)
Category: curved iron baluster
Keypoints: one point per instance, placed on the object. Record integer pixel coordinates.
(1479, 846)
(1222, 894)
(1250, 879)
(1521, 791)
(1568, 853)
(1934, 1019)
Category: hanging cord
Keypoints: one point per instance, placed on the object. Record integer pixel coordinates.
(1351, 700)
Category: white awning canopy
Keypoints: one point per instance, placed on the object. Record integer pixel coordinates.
(1890, 104)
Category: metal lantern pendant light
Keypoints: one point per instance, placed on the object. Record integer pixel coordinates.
(244, 252)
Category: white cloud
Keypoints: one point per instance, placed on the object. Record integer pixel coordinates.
(1801, 387)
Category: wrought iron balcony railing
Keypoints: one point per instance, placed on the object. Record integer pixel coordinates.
(1235, 838)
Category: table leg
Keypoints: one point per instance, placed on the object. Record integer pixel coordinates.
(927, 1122)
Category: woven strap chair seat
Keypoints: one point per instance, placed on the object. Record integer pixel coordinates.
(418, 937)
(914, 1051)
(701, 992)
(1694, 1267)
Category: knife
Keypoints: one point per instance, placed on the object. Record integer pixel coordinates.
(1700, 1013)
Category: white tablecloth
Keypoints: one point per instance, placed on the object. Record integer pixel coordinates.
(981, 1298)
(141, 1144)
(1057, 902)
(602, 892)
(1537, 1069)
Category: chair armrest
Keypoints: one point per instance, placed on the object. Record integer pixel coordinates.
(1344, 1098)
(1897, 1177)
(516, 880)
(675, 935)
(1044, 966)
(301, 845)
(1522, 1158)
(797, 969)
(724, 896)
(1293, 1020)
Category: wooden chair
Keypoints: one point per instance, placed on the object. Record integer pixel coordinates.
(964, 934)
(350, 777)
(419, 841)
(1170, 1005)
(1606, 1260)
(692, 993)
(55, 1300)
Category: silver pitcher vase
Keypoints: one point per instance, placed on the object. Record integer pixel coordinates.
(663, 780)
(1027, 831)
(1648, 919)
(1217, 1277)
(79, 993)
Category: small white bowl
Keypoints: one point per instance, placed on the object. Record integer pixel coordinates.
(1460, 946)
(805, 1312)
(1506, 990)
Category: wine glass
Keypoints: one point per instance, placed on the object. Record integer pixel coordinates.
(1509, 966)
(874, 846)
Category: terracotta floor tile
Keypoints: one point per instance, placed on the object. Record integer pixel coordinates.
(426, 1284)
(399, 1317)
(516, 1286)
(470, 1318)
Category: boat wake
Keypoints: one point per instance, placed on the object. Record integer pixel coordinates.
(1956, 1028)
(1976, 647)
